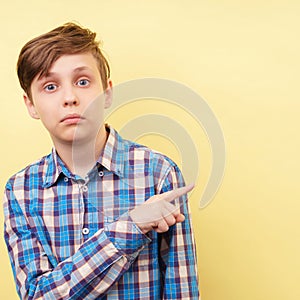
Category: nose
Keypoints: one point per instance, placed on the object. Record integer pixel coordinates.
(70, 102)
(69, 98)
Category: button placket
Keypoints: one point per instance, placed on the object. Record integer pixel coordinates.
(83, 187)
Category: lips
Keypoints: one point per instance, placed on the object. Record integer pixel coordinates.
(71, 119)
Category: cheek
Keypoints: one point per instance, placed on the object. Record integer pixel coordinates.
(43, 110)
(89, 95)
(92, 100)
(47, 120)
(94, 111)
(47, 113)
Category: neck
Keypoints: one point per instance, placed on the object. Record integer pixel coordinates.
(80, 157)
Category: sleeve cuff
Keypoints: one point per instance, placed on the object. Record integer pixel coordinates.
(126, 236)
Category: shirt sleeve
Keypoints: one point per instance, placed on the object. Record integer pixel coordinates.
(99, 261)
(177, 248)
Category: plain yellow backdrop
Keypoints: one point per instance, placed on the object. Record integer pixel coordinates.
(243, 58)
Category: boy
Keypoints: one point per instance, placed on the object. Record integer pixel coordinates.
(94, 218)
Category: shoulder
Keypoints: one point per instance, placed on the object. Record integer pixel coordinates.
(31, 171)
(142, 152)
(120, 148)
(153, 163)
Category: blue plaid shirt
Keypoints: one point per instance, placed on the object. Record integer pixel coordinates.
(72, 238)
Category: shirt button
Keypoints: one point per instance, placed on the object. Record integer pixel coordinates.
(85, 231)
(85, 188)
(66, 179)
(101, 173)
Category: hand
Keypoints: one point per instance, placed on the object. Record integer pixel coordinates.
(158, 213)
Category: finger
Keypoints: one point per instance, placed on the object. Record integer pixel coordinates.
(169, 218)
(172, 215)
(147, 213)
(162, 226)
(180, 218)
(170, 209)
(172, 195)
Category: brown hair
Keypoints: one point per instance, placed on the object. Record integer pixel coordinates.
(38, 55)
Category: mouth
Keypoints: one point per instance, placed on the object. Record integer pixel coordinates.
(71, 119)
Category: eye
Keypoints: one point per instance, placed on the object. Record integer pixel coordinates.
(50, 87)
(83, 82)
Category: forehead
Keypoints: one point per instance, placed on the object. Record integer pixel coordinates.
(72, 63)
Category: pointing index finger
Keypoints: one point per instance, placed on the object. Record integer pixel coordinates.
(172, 195)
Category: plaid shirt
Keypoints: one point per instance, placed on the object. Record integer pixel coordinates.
(70, 238)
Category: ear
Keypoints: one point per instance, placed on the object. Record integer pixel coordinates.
(108, 94)
(30, 107)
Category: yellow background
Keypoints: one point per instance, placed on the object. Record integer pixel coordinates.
(243, 58)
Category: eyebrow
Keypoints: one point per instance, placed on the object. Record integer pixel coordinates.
(79, 69)
(76, 70)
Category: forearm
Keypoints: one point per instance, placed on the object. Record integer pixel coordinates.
(73, 276)
(98, 263)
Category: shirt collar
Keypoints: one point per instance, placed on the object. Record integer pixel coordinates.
(112, 158)
(53, 169)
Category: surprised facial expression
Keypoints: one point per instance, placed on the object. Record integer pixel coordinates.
(70, 100)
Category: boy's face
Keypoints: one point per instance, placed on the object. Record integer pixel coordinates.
(68, 100)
